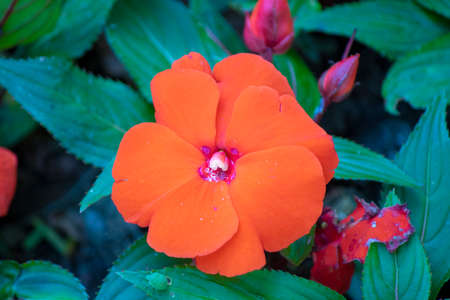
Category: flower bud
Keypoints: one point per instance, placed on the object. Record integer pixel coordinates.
(269, 29)
(337, 82)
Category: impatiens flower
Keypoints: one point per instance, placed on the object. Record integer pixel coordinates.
(270, 28)
(337, 82)
(329, 268)
(233, 165)
(337, 246)
(8, 179)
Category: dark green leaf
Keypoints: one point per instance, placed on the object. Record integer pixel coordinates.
(15, 122)
(102, 187)
(302, 81)
(9, 271)
(440, 6)
(359, 163)
(148, 36)
(300, 9)
(29, 20)
(403, 274)
(209, 17)
(425, 157)
(190, 283)
(392, 199)
(299, 250)
(419, 76)
(78, 27)
(37, 280)
(391, 27)
(87, 114)
(138, 257)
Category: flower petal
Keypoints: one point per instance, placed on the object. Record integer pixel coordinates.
(151, 161)
(193, 61)
(196, 219)
(8, 179)
(281, 190)
(391, 226)
(240, 255)
(186, 101)
(329, 270)
(262, 119)
(237, 72)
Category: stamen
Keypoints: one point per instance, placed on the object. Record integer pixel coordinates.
(219, 160)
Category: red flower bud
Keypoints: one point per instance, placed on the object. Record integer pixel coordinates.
(337, 82)
(8, 179)
(269, 29)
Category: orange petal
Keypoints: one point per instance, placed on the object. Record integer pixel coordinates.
(240, 255)
(193, 61)
(196, 219)
(8, 179)
(390, 226)
(281, 190)
(151, 161)
(186, 101)
(237, 72)
(262, 119)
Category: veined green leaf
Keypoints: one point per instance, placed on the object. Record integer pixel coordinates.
(136, 258)
(102, 187)
(87, 114)
(404, 274)
(190, 283)
(36, 280)
(359, 163)
(299, 250)
(391, 27)
(148, 36)
(15, 122)
(419, 76)
(425, 157)
(77, 28)
(302, 81)
(440, 6)
(29, 20)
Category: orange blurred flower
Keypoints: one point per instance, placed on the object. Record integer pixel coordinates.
(233, 165)
(8, 179)
(270, 28)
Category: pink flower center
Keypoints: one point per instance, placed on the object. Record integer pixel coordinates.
(219, 165)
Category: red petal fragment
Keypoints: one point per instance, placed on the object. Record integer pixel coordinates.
(390, 226)
(329, 269)
(363, 210)
(8, 179)
(327, 230)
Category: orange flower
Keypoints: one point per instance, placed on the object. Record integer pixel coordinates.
(232, 167)
(8, 179)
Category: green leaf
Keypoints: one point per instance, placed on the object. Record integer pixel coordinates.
(300, 9)
(299, 250)
(209, 17)
(392, 199)
(190, 283)
(391, 27)
(102, 187)
(9, 271)
(147, 36)
(300, 78)
(404, 274)
(36, 280)
(87, 114)
(15, 122)
(440, 6)
(425, 157)
(419, 76)
(29, 20)
(79, 25)
(359, 163)
(136, 258)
